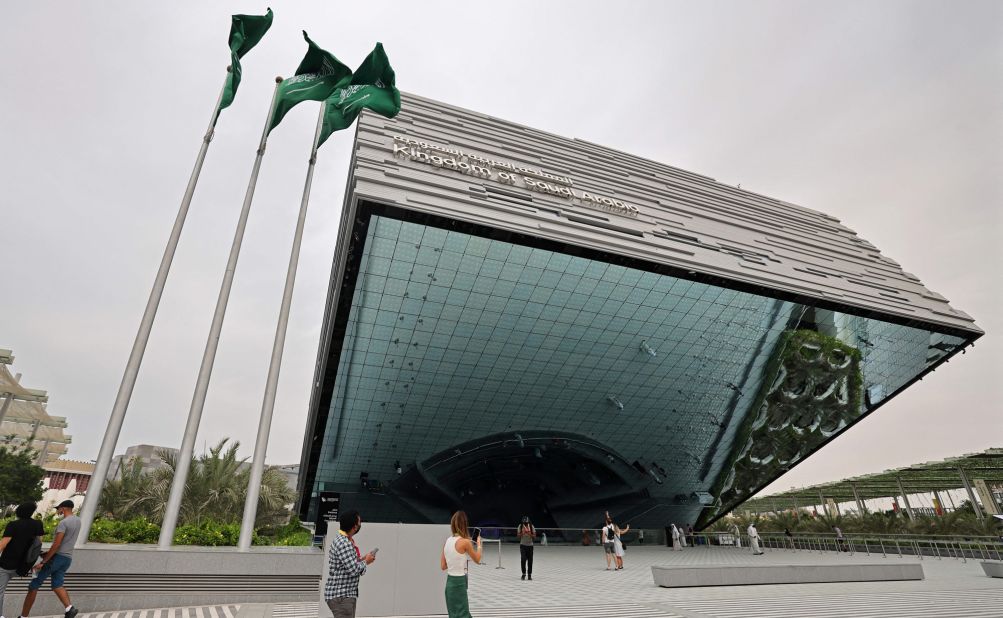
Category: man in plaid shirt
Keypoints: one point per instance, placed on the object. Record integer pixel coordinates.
(345, 565)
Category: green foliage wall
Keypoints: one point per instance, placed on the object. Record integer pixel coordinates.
(811, 390)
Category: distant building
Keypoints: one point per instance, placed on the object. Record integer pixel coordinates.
(147, 455)
(291, 472)
(65, 479)
(24, 418)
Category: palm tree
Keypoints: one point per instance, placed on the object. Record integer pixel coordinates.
(215, 490)
(120, 497)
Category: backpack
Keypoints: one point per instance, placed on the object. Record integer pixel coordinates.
(610, 533)
(30, 557)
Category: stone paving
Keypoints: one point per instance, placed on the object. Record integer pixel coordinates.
(577, 576)
(571, 582)
(213, 611)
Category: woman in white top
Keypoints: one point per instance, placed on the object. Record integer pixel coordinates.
(618, 544)
(454, 562)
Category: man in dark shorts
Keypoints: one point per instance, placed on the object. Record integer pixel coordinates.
(608, 532)
(56, 561)
(18, 537)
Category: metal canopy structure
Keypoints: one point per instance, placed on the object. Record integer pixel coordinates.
(927, 477)
(24, 417)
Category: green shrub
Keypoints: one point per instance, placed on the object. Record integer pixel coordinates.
(49, 523)
(208, 533)
(212, 534)
(303, 538)
(138, 530)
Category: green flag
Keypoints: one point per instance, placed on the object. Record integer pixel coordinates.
(372, 87)
(245, 32)
(316, 78)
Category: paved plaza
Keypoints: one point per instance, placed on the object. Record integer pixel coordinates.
(572, 582)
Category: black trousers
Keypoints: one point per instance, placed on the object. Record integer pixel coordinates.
(526, 558)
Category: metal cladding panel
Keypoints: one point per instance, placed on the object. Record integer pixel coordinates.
(638, 208)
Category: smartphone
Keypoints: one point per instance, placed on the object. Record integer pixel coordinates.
(375, 550)
(475, 532)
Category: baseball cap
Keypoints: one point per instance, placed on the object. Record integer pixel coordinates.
(66, 504)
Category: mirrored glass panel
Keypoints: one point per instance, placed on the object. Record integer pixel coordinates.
(511, 380)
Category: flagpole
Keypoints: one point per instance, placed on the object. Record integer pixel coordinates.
(271, 386)
(125, 388)
(209, 356)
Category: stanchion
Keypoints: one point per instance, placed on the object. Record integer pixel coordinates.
(499, 551)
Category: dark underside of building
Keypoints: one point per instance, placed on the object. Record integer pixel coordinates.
(524, 324)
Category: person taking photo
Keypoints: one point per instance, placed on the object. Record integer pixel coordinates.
(526, 533)
(453, 560)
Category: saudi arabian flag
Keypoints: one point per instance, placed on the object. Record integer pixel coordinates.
(245, 32)
(372, 87)
(316, 78)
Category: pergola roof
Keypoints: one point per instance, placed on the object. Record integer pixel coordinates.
(917, 478)
(27, 419)
(8, 383)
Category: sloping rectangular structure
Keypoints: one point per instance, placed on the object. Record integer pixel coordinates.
(521, 323)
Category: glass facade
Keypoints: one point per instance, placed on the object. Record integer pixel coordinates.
(511, 378)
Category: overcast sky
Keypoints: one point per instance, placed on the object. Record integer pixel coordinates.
(886, 115)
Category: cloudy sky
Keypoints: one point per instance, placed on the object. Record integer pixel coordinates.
(886, 115)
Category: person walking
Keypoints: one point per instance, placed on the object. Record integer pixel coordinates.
(454, 562)
(690, 536)
(55, 562)
(840, 541)
(738, 535)
(345, 565)
(788, 538)
(754, 540)
(18, 537)
(608, 532)
(675, 539)
(526, 533)
(618, 545)
(682, 536)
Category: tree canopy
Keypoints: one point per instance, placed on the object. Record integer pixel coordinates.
(20, 477)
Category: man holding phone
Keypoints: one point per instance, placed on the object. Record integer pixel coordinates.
(526, 533)
(345, 565)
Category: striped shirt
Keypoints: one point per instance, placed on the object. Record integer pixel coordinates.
(344, 568)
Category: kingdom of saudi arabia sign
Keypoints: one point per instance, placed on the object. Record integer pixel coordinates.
(505, 173)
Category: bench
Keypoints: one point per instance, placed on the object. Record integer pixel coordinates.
(731, 575)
